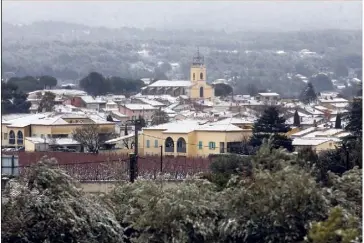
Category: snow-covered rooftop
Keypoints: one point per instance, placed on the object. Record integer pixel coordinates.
(53, 141)
(70, 92)
(184, 126)
(151, 102)
(219, 127)
(167, 83)
(88, 99)
(304, 132)
(115, 140)
(140, 107)
(53, 119)
(333, 100)
(268, 94)
(236, 120)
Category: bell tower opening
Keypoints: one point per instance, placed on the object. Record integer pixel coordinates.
(198, 69)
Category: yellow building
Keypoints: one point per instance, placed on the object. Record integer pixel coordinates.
(191, 138)
(196, 88)
(46, 126)
(316, 144)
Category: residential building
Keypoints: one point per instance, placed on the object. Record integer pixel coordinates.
(316, 144)
(268, 98)
(133, 111)
(191, 138)
(47, 126)
(89, 102)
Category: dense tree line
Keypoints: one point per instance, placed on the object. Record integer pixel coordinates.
(223, 90)
(96, 84)
(13, 100)
(29, 83)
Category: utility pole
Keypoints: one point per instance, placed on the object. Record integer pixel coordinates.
(133, 168)
(161, 158)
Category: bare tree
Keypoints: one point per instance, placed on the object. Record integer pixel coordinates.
(88, 136)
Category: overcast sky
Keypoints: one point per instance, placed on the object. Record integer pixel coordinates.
(235, 15)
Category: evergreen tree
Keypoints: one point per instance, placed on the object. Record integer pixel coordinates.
(338, 121)
(308, 95)
(296, 119)
(271, 124)
(322, 82)
(159, 117)
(109, 118)
(355, 125)
(222, 89)
(13, 100)
(143, 123)
(94, 84)
(47, 81)
(126, 129)
(46, 205)
(47, 102)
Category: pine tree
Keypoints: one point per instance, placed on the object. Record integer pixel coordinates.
(296, 119)
(271, 124)
(355, 125)
(143, 123)
(159, 117)
(338, 121)
(47, 102)
(109, 118)
(308, 95)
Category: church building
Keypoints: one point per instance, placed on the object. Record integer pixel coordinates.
(196, 88)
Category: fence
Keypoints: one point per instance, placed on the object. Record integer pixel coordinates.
(102, 167)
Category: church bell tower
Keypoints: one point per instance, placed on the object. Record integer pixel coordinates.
(198, 69)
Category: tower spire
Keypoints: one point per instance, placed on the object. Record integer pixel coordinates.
(198, 59)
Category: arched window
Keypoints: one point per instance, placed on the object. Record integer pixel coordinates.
(201, 92)
(181, 145)
(201, 76)
(169, 145)
(193, 76)
(11, 137)
(20, 137)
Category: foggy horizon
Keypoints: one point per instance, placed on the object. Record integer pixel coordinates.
(209, 15)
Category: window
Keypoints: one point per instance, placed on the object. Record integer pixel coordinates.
(11, 137)
(200, 145)
(148, 143)
(193, 76)
(5, 136)
(212, 145)
(20, 137)
(201, 76)
(155, 143)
